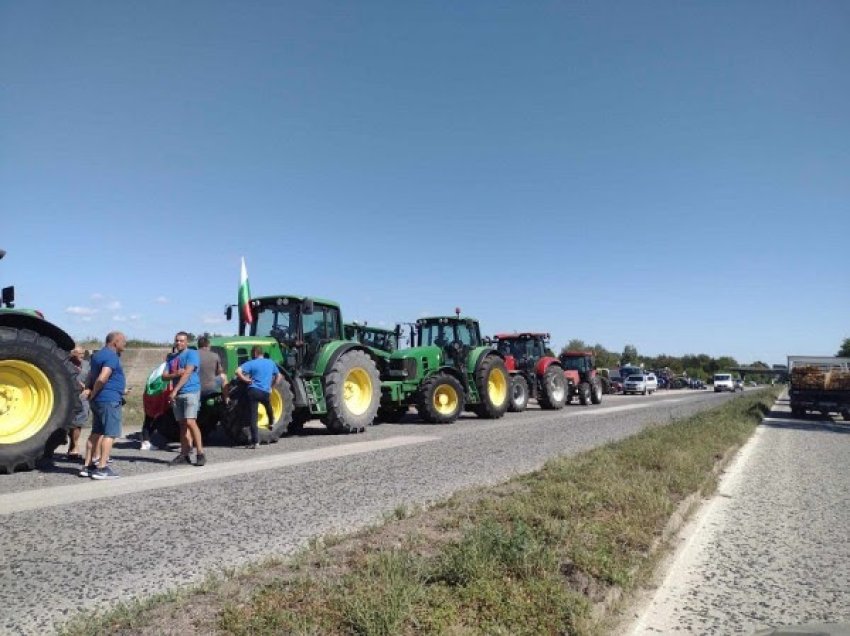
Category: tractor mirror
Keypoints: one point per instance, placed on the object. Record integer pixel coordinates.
(8, 296)
(228, 312)
(308, 306)
(2, 253)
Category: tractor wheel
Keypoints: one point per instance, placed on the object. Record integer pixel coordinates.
(352, 393)
(596, 391)
(440, 399)
(391, 414)
(553, 389)
(798, 411)
(846, 415)
(493, 382)
(167, 426)
(235, 420)
(519, 394)
(584, 393)
(38, 396)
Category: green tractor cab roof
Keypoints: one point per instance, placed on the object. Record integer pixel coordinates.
(288, 298)
(445, 319)
(357, 325)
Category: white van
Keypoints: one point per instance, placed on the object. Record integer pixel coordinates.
(723, 382)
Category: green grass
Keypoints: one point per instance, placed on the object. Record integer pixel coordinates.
(532, 556)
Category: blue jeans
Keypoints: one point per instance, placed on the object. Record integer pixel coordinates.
(107, 418)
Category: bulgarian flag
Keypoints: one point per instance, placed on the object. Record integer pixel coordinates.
(245, 296)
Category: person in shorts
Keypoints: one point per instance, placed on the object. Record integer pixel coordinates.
(81, 417)
(186, 400)
(260, 374)
(106, 396)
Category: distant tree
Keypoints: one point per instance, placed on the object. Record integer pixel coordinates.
(630, 355)
(576, 345)
(605, 359)
(844, 351)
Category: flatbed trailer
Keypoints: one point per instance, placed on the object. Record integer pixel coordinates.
(819, 384)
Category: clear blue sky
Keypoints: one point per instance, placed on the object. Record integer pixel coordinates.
(672, 175)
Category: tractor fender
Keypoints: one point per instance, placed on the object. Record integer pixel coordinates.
(297, 385)
(39, 325)
(479, 358)
(544, 363)
(457, 375)
(345, 347)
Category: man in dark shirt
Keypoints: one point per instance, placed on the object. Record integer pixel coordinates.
(213, 378)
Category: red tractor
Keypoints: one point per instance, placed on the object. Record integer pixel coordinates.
(583, 380)
(535, 373)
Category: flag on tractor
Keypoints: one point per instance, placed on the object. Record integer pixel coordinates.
(245, 296)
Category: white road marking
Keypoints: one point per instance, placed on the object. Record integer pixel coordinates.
(87, 490)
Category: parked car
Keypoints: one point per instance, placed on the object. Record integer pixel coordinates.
(723, 382)
(616, 384)
(640, 384)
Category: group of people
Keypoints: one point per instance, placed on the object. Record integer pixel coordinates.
(191, 373)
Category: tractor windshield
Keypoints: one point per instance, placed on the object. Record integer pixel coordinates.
(577, 363)
(276, 321)
(443, 332)
(378, 339)
(522, 347)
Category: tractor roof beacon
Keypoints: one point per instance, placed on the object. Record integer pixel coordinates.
(325, 374)
(451, 369)
(38, 393)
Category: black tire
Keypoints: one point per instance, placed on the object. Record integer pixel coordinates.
(798, 411)
(440, 399)
(391, 414)
(348, 417)
(24, 346)
(596, 391)
(300, 417)
(519, 394)
(553, 389)
(584, 393)
(236, 417)
(846, 415)
(495, 392)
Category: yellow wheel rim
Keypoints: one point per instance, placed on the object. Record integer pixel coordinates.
(26, 401)
(497, 387)
(276, 401)
(357, 391)
(445, 399)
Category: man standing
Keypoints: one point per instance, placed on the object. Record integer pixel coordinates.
(186, 400)
(105, 396)
(261, 374)
(81, 417)
(213, 378)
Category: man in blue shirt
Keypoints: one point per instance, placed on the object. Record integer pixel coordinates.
(105, 395)
(260, 374)
(186, 399)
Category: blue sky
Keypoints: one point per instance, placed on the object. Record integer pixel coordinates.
(672, 175)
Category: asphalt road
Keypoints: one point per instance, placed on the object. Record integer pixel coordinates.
(771, 548)
(71, 543)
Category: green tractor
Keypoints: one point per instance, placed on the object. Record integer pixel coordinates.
(325, 375)
(38, 392)
(451, 369)
(383, 341)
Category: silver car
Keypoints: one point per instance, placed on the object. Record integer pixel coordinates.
(640, 384)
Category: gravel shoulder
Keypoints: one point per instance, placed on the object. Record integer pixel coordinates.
(111, 546)
(770, 548)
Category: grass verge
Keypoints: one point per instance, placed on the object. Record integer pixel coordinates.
(535, 555)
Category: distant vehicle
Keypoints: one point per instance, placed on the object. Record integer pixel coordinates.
(616, 384)
(723, 382)
(739, 384)
(819, 384)
(640, 383)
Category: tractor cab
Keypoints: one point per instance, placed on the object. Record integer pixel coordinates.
(456, 336)
(385, 340)
(522, 350)
(580, 363)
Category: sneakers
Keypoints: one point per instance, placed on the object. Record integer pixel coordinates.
(104, 473)
(86, 471)
(180, 460)
(252, 446)
(200, 460)
(96, 460)
(145, 445)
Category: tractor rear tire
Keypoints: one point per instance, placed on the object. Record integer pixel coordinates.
(494, 388)
(235, 420)
(440, 399)
(553, 389)
(596, 391)
(352, 393)
(38, 396)
(584, 393)
(519, 394)
(391, 414)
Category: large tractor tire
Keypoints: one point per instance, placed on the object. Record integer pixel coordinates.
(596, 391)
(440, 399)
(494, 388)
(352, 393)
(300, 417)
(209, 415)
(585, 393)
(553, 389)
(519, 394)
(391, 414)
(38, 396)
(236, 423)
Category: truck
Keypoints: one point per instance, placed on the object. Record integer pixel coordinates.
(819, 384)
(38, 387)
